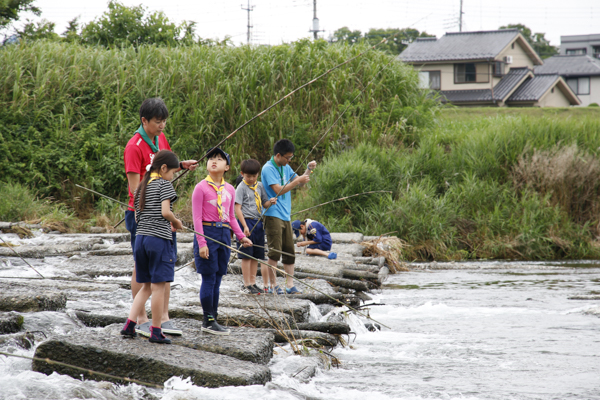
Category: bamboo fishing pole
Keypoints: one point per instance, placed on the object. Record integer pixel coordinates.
(286, 275)
(342, 198)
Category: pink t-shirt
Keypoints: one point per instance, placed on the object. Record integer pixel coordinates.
(204, 208)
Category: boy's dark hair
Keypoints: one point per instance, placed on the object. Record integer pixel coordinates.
(250, 167)
(154, 107)
(162, 157)
(283, 147)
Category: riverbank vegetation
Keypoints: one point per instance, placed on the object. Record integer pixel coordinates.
(466, 183)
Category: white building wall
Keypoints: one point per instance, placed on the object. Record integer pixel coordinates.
(594, 96)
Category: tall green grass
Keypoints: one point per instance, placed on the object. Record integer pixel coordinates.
(457, 191)
(67, 110)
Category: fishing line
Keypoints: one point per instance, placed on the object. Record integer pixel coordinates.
(14, 251)
(342, 198)
(286, 275)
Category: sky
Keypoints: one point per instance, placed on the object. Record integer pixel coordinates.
(277, 21)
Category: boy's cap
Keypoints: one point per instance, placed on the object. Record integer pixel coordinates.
(296, 227)
(218, 150)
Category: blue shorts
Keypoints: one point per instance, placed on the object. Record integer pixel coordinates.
(155, 260)
(131, 226)
(325, 246)
(218, 256)
(257, 237)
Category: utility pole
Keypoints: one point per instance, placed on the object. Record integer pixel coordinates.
(315, 27)
(248, 9)
(460, 17)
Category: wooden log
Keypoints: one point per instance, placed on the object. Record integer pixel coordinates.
(363, 267)
(363, 296)
(353, 274)
(342, 282)
(306, 337)
(335, 328)
(331, 298)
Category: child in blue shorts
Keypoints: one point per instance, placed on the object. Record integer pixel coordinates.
(154, 249)
(250, 201)
(213, 213)
(316, 238)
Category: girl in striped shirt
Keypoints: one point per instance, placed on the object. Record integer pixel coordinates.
(154, 251)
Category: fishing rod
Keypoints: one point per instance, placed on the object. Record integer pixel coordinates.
(384, 40)
(342, 198)
(103, 195)
(286, 275)
(18, 255)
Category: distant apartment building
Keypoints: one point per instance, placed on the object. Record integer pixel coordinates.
(486, 68)
(579, 45)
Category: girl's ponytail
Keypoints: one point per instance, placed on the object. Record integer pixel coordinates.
(162, 157)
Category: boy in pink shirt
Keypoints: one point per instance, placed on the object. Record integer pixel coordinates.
(213, 204)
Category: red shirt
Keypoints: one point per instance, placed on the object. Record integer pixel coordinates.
(138, 157)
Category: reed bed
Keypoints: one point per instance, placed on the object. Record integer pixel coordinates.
(515, 187)
(68, 110)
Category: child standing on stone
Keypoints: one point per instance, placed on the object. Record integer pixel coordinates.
(316, 238)
(213, 213)
(250, 200)
(154, 249)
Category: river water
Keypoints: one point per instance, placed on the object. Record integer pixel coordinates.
(481, 331)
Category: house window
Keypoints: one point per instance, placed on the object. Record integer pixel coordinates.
(596, 51)
(579, 85)
(577, 52)
(498, 68)
(430, 80)
(465, 73)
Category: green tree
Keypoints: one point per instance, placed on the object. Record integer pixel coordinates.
(71, 34)
(10, 10)
(125, 26)
(345, 35)
(538, 41)
(398, 39)
(43, 29)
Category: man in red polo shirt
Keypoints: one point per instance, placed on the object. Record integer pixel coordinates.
(138, 155)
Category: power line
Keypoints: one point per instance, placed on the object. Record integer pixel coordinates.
(249, 9)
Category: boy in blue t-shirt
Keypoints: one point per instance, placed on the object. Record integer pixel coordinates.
(316, 238)
(279, 179)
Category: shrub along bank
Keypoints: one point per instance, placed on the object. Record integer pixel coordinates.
(67, 110)
(516, 187)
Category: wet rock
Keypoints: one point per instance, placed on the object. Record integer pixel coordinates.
(136, 358)
(320, 268)
(94, 320)
(305, 338)
(10, 322)
(302, 368)
(298, 308)
(331, 298)
(344, 283)
(97, 229)
(24, 340)
(30, 251)
(243, 343)
(325, 308)
(234, 316)
(352, 237)
(22, 299)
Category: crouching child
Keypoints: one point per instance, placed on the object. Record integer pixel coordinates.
(316, 238)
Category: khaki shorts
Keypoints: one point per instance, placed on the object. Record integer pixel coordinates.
(280, 237)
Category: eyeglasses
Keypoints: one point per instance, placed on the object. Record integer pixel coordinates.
(289, 158)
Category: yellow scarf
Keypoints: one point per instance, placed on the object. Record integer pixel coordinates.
(256, 196)
(154, 176)
(219, 190)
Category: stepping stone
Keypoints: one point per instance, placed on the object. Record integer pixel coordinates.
(351, 237)
(136, 358)
(245, 344)
(27, 299)
(298, 308)
(10, 322)
(234, 316)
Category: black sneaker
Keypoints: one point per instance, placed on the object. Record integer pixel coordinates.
(246, 290)
(211, 326)
(156, 336)
(258, 289)
(253, 289)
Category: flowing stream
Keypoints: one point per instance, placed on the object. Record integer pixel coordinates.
(480, 331)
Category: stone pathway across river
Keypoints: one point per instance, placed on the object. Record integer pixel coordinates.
(87, 281)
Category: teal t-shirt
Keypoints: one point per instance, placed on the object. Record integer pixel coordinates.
(271, 175)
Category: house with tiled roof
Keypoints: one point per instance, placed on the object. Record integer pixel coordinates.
(486, 68)
(581, 72)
